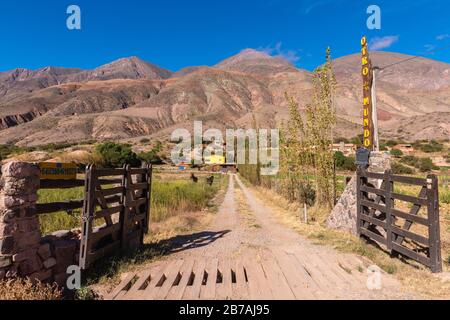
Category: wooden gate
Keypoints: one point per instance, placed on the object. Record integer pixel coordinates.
(381, 218)
(116, 211)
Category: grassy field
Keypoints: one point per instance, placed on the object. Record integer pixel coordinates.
(170, 196)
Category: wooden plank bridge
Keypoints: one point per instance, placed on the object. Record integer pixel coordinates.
(291, 273)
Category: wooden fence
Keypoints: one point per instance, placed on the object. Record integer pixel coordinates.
(125, 207)
(414, 234)
(116, 209)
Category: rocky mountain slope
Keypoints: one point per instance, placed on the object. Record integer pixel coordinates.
(129, 98)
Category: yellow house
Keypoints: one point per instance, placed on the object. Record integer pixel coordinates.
(214, 159)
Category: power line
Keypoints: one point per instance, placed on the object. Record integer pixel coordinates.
(412, 58)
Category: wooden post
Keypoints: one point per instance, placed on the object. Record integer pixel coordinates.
(126, 180)
(389, 186)
(358, 201)
(88, 216)
(149, 196)
(433, 224)
(305, 212)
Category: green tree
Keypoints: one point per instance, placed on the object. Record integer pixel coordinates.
(396, 153)
(116, 155)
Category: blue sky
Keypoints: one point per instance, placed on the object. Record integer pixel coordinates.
(175, 34)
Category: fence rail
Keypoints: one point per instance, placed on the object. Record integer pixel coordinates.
(124, 205)
(378, 216)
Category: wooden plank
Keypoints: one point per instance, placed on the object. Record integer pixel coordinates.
(414, 200)
(113, 199)
(109, 181)
(44, 208)
(136, 203)
(278, 284)
(372, 175)
(411, 254)
(157, 281)
(103, 232)
(61, 184)
(323, 286)
(107, 212)
(413, 236)
(139, 186)
(292, 271)
(240, 288)
(109, 192)
(434, 225)
(143, 280)
(376, 191)
(224, 290)
(123, 285)
(409, 180)
(374, 205)
(109, 172)
(171, 275)
(209, 291)
(407, 216)
(177, 292)
(373, 236)
(414, 211)
(374, 221)
(87, 216)
(259, 286)
(193, 292)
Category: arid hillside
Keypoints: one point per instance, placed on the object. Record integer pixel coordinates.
(131, 98)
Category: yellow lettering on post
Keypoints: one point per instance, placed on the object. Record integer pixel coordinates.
(365, 71)
(366, 112)
(366, 143)
(364, 50)
(366, 133)
(365, 61)
(366, 122)
(366, 101)
(364, 41)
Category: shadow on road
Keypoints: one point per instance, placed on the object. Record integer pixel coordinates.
(191, 241)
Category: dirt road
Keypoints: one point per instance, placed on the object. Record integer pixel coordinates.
(247, 254)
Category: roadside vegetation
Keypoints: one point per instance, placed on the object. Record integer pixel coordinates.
(24, 289)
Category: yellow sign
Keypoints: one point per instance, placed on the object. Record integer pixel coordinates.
(214, 160)
(58, 171)
(367, 94)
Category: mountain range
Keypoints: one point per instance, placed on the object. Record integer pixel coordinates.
(132, 98)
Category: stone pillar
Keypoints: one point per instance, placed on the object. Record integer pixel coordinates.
(20, 236)
(343, 216)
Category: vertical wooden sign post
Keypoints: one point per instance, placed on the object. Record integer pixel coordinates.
(367, 74)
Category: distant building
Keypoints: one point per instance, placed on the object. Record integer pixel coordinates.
(347, 149)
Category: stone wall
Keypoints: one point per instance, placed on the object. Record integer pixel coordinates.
(343, 216)
(23, 250)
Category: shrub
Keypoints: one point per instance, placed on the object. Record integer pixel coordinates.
(391, 143)
(307, 194)
(116, 155)
(411, 161)
(343, 162)
(145, 140)
(426, 165)
(25, 289)
(398, 168)
(150, 157)
(396, 153)
(432, 146)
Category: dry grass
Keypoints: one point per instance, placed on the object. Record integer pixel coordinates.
(414, 277)
(25, 289)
